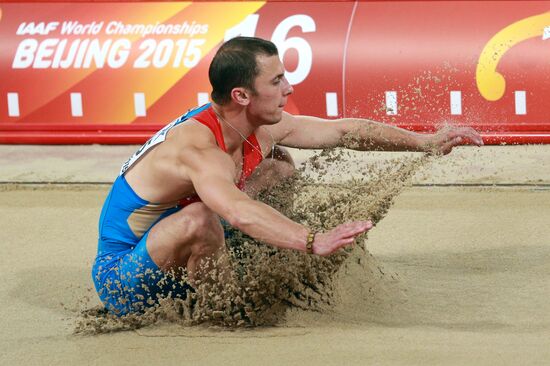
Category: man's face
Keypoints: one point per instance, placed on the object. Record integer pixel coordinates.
(271, 91)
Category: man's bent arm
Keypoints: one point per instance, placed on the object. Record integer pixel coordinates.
(212, 172)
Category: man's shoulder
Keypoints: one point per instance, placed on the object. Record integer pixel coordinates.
(192, 134)
(194, 146)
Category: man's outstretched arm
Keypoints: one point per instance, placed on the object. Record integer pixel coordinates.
(361, 134)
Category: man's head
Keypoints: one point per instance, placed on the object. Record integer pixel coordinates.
(235, 65)
(248, 71)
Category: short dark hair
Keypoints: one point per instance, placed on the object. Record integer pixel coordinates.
(234, 65)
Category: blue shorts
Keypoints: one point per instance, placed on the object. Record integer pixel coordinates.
(129, 281)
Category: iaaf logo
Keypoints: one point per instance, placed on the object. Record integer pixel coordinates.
(490, 83)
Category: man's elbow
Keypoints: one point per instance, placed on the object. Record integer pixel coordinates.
(234, 219)
(237, 216)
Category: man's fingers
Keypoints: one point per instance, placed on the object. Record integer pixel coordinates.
(466, 133)
(472, 135)
(448, 146)
(475, 137)
(343, 242)
(340, 236)
(346, 241)
(346, 233)
(354, 228)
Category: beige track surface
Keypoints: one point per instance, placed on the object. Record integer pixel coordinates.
(469, 270)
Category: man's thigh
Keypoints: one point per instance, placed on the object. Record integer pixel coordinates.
(132, 282)
(145, 282)
(152, 269)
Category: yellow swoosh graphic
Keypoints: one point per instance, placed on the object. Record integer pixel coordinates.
(490, 83)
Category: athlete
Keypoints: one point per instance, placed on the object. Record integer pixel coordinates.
(164, 209)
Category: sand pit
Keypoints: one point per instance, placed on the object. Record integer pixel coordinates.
(455, 275)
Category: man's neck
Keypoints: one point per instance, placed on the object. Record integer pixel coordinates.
(234, 124)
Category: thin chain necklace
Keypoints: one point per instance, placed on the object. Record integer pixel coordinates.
(246, 139)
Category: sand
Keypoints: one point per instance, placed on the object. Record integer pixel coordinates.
(457, 275)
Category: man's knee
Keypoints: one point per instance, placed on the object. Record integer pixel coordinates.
(276, 170)
(204, 228)
(281, 165)
(282, 154)
(194, 231)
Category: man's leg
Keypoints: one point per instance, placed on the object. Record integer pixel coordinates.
(270, 172)
(188, 239)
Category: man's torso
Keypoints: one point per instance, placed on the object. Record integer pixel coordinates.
(159, 174)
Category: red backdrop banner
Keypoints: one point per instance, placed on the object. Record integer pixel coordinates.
(116, 72)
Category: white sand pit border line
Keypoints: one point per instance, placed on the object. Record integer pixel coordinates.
(23, 185)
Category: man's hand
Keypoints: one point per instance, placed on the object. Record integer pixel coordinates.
(443, 141)
(342, 235)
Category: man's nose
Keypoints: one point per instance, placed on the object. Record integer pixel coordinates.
(287, 88)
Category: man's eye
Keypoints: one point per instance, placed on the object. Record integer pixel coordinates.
(276, 81)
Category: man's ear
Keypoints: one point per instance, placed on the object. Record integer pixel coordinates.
(240, 96)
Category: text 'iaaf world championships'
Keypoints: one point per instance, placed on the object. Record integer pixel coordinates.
(111, 28)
